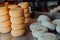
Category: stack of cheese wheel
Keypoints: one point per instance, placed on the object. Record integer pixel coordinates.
(17, 21)
(25, 6)
(5, 24)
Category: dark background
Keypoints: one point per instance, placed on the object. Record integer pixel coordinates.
(36, 5)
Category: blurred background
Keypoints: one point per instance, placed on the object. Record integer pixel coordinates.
(37, 5)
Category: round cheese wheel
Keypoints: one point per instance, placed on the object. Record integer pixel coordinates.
(6, 4)
(17, 33)
(47, 36)
(26, 10)
(48, 25)
(27, 15)
(24, 5)
(53, 10)
(18, 20)
(35, 25)
(43, 18)
(3, 10)
(5, 29)
(39, 31)
(5, 24)
(58, 7)
(58, 28)
(4, 18)
(27, 20)
(56, 21)
(17, 12)
(17, 27)
(13, 6)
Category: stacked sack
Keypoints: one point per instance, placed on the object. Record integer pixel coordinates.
(5, 24)
(17, 21)
(25, 6)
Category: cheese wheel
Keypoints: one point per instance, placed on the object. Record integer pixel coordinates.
(58, 28)
(17, 33)
(4, 18)
(35, 25)
(17, 27)
(39, 31)
(53, 11)
(5, 24)
(47, 36)
(24, 5)
(48, 25)
(27, 20)
(18, 20)
(5, 29)
(27, 15)
(6, 4)
(17, 12)
(56, 21)
(58, 7)
(3, 10)
(26, 10)
(43, 18)
(13, 6)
